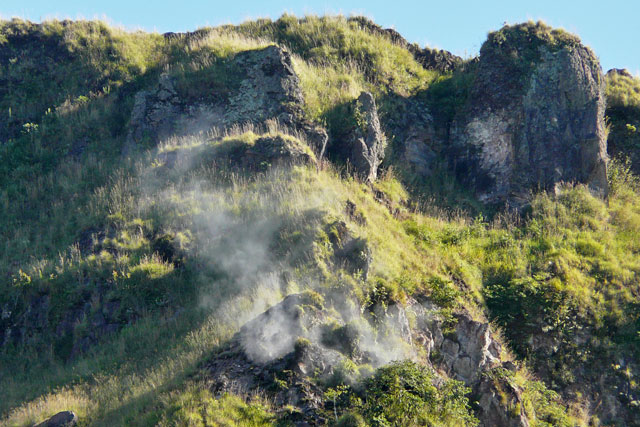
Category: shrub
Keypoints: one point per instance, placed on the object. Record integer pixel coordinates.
(404, 393)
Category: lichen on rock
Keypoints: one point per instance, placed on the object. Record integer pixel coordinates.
(268, 90)
(534, 118)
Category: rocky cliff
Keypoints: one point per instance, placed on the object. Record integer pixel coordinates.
(254, 220)
(263, 87)
(534, 116)
(318, 341)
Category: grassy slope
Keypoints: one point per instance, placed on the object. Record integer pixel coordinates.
(623, 118)
(575, 256)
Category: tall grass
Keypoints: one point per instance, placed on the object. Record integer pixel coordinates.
(76, 218)
(622, 91)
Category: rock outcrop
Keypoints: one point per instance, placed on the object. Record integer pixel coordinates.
(270, 353)
(436, 59)
(534, 117)
(367, 141)
(300, 339)
(259, 155)
(471, 354)
(265, 88)
(61, 419)
(419, 141)
(155, 112)
(276, 150)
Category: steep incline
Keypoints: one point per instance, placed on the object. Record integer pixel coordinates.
(295, 221)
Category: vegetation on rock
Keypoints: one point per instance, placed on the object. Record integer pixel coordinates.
(123, 276)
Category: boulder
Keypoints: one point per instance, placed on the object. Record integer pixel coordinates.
(265, 89)
(270, 89)
(367, 140)
(534, 116)
(61, 419)
(500, 403)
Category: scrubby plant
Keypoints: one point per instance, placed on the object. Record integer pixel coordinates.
(622, 90)
(178, 259)
(404, 393)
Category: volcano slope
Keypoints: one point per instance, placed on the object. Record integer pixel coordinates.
(311, 221)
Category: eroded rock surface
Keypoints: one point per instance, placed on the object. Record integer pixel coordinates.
(266, 89)
(300, 343)
(535, 116)
(368, 142)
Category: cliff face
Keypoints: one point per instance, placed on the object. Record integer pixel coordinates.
(534, 117)
(325, 285)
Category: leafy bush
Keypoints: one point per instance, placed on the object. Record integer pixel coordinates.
(404, 393)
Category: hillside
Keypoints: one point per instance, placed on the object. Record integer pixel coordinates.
(312, 221)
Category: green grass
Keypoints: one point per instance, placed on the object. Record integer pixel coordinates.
(286, 210)
(622, 91)
(84, 59)
(623, 118)
(200, 408)
(192, 251)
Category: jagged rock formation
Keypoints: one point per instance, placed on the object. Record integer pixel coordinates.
(470, 355)
(367, 140)
(265, 88)
(436, 59)
(299, 336)
(535, 116)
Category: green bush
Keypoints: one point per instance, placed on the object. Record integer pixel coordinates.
(404, 393)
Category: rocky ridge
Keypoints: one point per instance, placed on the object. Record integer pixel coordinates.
(295, 337)
(533, 119)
